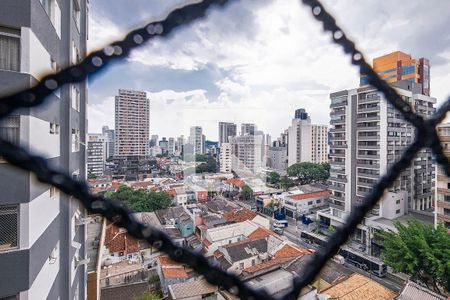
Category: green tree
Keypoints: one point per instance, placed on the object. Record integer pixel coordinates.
(421, 251)
(274, 178)
(307, 172)
(141, 200)
(201, 157)
(246, 192)
(149, 296)
(285, 182)
(210, 166)
(92, 176)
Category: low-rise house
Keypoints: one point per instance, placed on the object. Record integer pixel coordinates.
(201, 193)
(192, 290)
(301, 200)
(239, 215)
(212, 238)
(119, 245)
(184, 196)
(219, 206)
(413, 291)
(171, 272)
(243, 254)
(357, 286)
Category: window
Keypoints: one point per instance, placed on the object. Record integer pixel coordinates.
(75, 98)
(9, 227)
(75, 54)
(9, 49)
(253, 262)
(76, 13)
(10, 129)
(241, 265)
(310, 203)
(397, 202)
(397, 211)
(75, 140)
(48, 7)
(54, 128)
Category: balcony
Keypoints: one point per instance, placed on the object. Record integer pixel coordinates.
(338, 146)
(443, 204)
(336, 188)
(443, 191)
(332, 178)
(368, 166)
(337, 121)
(369, 109)
(443, 217)
(369, 100)
(337, 129)
(338, 104)
(337, 154)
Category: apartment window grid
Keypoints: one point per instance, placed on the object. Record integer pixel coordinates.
(9, 49)
(9, 227)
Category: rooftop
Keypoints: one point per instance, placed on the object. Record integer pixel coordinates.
(412, 291)
(358, 287)
(191, 289)
(239, 215)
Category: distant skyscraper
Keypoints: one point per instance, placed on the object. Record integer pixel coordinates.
(109, 137)
(248, 128)
(307, 142)
(197, 140)
(225, 158)
(247, 154)
(171, 146)
(301, 114)
(154, 140)
(164, 145)
(397, 66)
(225, 131)
(132, 123)
(96, 154)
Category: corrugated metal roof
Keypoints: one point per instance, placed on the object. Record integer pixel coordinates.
(413, 291)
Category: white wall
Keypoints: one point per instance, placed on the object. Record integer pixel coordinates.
(39, 139)
(35, 60)
(41, 213)
(44, 280)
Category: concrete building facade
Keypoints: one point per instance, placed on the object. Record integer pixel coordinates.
(96, 154)
(443, 182)
(109, 137)
(132, 117)
(197, 139)
(307, 142)
(277, 158)
(225, 131)
(42, 236)
(367, 136)
(247, 154)
(225, 158)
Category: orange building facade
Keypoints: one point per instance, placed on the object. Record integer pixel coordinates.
(398, 66)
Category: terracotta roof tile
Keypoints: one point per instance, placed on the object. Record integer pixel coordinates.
(291, 251)
(309, 195)
(118, 240)
(267, 264)
(239, 215)
(235, 182)
(359, 287)
(260, 233)
(178, 272)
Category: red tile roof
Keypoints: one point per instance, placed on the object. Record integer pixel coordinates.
(239, 215)
(291, 251)
(117, 240)
(174, 273)
(267, 264)
(235, 182)
(309, 195)
(141, 184)
(260, 233)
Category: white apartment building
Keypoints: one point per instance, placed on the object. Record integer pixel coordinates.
(247, 154)
(96, 154)
(197, 139)
(307, 142)
(369, 135)
(225, 131)
(132, 117)
(225, 158)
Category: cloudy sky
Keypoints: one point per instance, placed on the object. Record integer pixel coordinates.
(257, 60)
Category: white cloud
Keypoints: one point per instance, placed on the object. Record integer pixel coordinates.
(100, 114)
(274, 58)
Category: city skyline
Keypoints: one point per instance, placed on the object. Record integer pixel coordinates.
(277, 61)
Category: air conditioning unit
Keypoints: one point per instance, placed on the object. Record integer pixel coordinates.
(79, 221)
(76, 245)
(82, 261)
